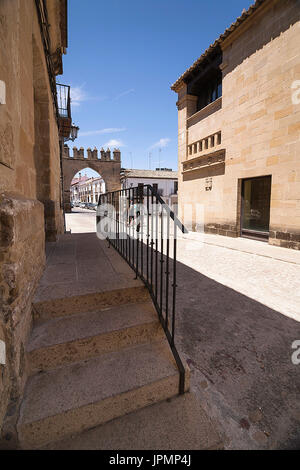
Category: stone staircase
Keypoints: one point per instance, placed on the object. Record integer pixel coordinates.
(92, 358)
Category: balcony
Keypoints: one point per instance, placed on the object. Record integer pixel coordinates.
(64, 110)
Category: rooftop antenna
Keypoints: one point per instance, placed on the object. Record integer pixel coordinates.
(131, 159)
(159, 162)
(149, 157)
(159, 156)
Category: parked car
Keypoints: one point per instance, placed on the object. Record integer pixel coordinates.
(91, 205)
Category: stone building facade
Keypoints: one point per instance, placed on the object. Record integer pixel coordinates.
(108, 166)
(239, 129)
(84, 189)
(30, 191)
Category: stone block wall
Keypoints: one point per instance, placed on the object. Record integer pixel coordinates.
(258, 122)
(30, 206)
(29, 146)
(22, 256)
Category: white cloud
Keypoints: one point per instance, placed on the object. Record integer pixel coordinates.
(114, 143)
(161, 143)
(78, 95)
(108, 130)
(124, 93)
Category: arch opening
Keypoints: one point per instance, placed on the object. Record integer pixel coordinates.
(85, 188)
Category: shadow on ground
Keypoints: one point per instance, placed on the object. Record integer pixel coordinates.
(241, 352)
(240, 355)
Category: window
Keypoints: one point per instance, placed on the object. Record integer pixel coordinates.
(210, 90)
(155, 187)
(206, 82)
(175, 187)
(140, 190)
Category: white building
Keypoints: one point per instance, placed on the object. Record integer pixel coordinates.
(164, 180)
(84, 189)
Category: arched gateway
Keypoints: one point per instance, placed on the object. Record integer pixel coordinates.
(109, 168)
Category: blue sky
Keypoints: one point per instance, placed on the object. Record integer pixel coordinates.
(123, 55)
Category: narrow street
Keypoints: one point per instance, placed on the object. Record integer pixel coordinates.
(81, 220)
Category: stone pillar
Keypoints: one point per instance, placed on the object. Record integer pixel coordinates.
(95, 154)
(75, 152)
(187, 106)
(89, 153)
(117, 155)
(67, 200)
(66, 151)
(81, 152)
(102, 154)
(107, 154)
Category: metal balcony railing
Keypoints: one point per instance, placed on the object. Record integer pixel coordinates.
(63, 100)
(143, 229)
(64, 110)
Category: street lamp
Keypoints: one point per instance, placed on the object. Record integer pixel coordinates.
(73, 133)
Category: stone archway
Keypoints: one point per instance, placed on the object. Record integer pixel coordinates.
(109, 168)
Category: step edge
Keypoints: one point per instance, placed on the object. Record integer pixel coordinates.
(151, 325)
(52, 320)
(161, 341)
(126, 395)
(82, 338)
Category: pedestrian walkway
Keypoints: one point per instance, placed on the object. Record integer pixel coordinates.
(98, 357)
(246, 245)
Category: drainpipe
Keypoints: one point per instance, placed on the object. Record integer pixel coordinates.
(61, 149)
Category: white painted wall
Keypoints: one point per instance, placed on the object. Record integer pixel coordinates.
(164, 184)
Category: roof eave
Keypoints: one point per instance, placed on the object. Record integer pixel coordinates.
(218, 42)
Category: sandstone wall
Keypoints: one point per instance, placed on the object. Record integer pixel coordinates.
(22, 258)
(29, 147)
(29, 184)
(259, 124)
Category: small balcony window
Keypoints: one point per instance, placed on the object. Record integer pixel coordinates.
(210, 91)
(207, 83)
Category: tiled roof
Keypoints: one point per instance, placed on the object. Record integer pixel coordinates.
(85, 179)
(244, 16)
(149, 174)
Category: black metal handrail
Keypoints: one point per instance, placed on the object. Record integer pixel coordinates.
(137, 222)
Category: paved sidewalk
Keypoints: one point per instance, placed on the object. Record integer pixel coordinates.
(264, 273)
(81, 221)
(245, 245)
(238, 313)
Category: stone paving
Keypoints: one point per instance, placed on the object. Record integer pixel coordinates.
(238, 313)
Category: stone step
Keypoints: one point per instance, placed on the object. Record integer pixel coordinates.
(83, 395)
(68, 305)
(80, 336)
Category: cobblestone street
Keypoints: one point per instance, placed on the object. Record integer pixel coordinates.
(236, 317)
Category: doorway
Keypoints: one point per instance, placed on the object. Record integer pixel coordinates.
(255, 214)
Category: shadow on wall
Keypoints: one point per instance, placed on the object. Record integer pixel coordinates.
(208, 171)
